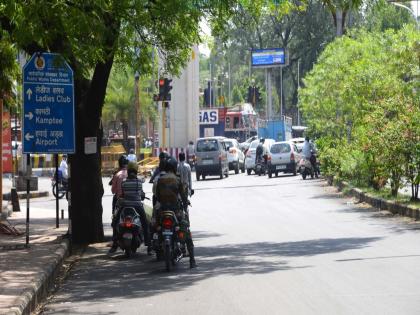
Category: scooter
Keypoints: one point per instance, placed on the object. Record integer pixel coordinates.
(306, 168)
(129, 231)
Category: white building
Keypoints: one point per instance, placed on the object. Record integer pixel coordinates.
(183, 113)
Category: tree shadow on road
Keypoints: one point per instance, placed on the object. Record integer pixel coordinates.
(98, 278)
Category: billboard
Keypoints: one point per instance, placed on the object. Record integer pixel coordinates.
(209, 117)
(270, 57)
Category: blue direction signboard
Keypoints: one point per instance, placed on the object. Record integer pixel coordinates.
(48, 105)
(267, 58)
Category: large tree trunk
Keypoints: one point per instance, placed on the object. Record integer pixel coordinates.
(86, 177)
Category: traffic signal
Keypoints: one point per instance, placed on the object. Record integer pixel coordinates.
(164, 89)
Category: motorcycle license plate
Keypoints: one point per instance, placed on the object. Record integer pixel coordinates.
(128, 236)
(167, 233)
(155, 236)
(280, 167)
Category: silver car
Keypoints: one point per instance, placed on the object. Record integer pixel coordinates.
(284, 157)
(211, 157)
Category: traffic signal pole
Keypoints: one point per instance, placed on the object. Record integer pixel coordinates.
(163, 123)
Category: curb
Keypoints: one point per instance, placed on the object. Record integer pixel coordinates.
(22, 195)
(382, 204)
(43, 282)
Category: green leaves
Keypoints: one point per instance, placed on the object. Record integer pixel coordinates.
(362, 98)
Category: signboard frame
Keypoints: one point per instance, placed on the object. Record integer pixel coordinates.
(269, 63)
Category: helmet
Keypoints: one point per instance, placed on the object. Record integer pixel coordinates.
(122, 161)
(171, 164)
(163, 155)
(132, 168)
(307, 138)
(262, 140)
(131, 151)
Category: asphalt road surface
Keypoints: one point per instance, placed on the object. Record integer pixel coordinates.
(274, 246)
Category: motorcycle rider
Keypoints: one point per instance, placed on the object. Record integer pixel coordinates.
(64, 168)
(132, 196)
(308, 152)
(168, 190)
(163, 156)
(132, 156)
(261, 152)
(184, 172)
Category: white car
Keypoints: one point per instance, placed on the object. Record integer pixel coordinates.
(236, 157)
(284, 157)
(250, 154)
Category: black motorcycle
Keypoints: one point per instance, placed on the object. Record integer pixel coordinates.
(260, 166)
(165, 240)
(129, 231)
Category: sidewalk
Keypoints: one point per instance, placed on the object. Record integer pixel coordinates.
(27, 273)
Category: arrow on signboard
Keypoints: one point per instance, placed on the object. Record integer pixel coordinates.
(29, 93)
(28, 137)
(29, 115)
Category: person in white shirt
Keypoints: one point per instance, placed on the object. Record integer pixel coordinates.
(64, 167)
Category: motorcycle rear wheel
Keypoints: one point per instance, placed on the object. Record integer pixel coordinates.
(128, 252)
(304, 175)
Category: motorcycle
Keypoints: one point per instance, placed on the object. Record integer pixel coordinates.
(165, 240)
(59, 187)
(260, 166)
(306, 168)
(129, 231)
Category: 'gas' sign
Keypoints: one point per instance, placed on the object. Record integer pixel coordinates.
(209, 117)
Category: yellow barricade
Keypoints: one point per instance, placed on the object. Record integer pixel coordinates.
(110, 156)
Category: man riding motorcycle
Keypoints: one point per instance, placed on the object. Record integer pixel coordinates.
(308, 151)
(168, 190)
(261, 152)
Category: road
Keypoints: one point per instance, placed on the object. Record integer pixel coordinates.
(277, 246)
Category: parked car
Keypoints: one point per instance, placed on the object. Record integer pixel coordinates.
(284, 157)
(250, 154)
(236, 157)
(211, 157)
(299, 143)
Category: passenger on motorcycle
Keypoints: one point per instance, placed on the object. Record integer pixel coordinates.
(116, 189)
(132, 196)
(261, 152)
(168, 190)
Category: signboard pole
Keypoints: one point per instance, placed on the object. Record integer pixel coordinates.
(57, 202)
(28, 183)
(69, 189)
